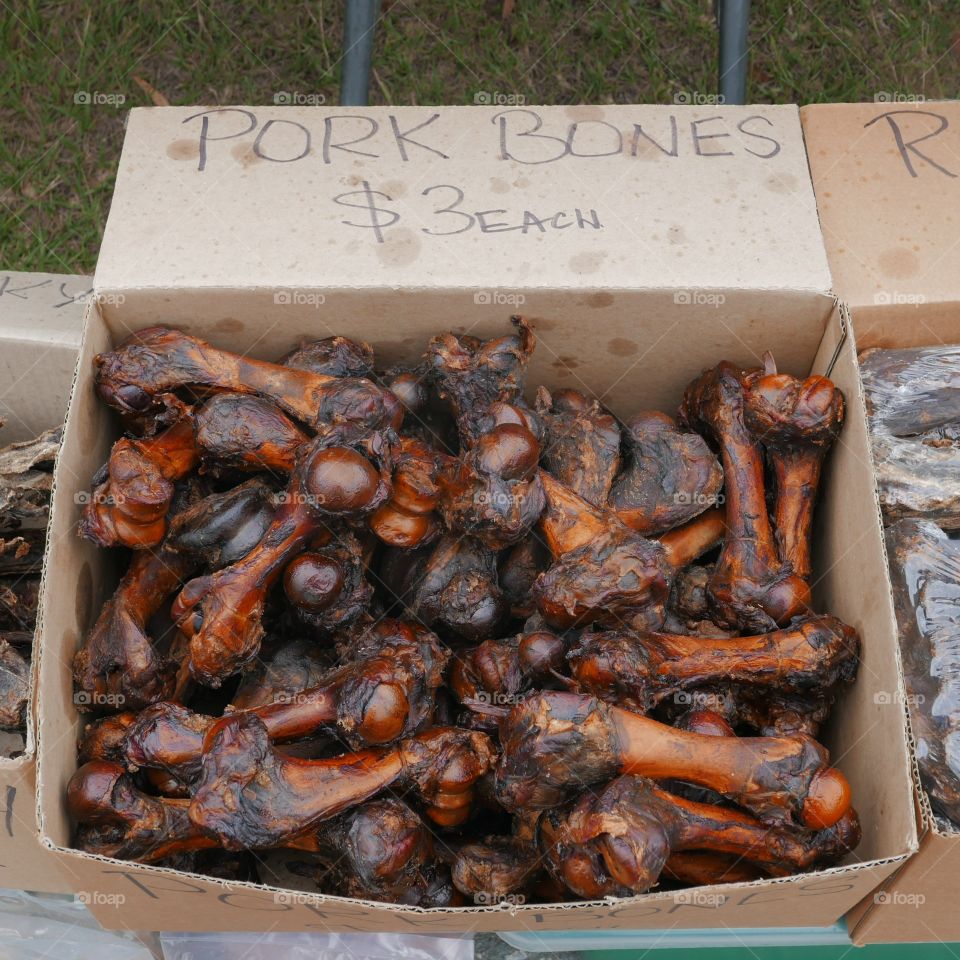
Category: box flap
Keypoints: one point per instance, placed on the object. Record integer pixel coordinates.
(887, 179)
(495, 198)
(41, 318)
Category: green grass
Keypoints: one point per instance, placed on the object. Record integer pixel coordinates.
(57, 156)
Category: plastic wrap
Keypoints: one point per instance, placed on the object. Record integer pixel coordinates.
(36, 926)
(925, 572)
(313, 946)
(913, 406)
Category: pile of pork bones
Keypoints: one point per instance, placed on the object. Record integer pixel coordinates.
(410, 637)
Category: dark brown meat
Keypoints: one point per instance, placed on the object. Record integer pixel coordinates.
(751, 588)
(241, 432)
(333, 357)
(670, 476)
(456, 589)
(582, 445)
(250, 797)
(138, 377)
(795, 421)
(472, 374)
(638, 671)
(131, 495)
(557, 743)
(617, 842)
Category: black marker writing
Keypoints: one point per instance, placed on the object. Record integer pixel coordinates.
(906, 147)
(364, 200)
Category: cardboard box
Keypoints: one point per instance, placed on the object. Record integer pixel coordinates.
(40, 325)
(887, 176)
(686, 250)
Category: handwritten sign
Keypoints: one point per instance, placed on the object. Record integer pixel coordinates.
(887, 179)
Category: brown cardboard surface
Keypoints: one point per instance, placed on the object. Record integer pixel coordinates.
(40, 326)
(867, 740)
(918, 903)
(494, 200)
(40, 316)
(707, 248)
(887, 179)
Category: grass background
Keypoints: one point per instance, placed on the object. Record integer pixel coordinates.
(57, 156)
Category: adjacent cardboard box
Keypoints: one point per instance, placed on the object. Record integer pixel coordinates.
(40, 326)
(647, 243)
(887, 179)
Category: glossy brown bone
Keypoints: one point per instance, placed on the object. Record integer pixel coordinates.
(493, 491)
(221, 612)
(382, 851)
(471, 374)
(242, 432)
(370, 701)
(14, 684)
(328, 588)
(119, 665)
(294, 667)
(409, 519)
(517, 571)
(603, 571)
(222, 528)
(557, 743)
(457, 591)
(498, 671)
(670, 477)
(118, 820)
(632, 826)
(132, 494)
(106, 738)
(796, 420)
(582, 446)
(496, 869)
(333, 357)
(138, 376)
(641, 670)
(250, 797)
(750, 587)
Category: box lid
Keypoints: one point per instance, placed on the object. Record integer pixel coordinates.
(887, 180)
(503, 197)
(41, 318)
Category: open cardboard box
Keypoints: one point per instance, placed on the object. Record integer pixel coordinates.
(887, 180)
(688, 251)
(40, 326)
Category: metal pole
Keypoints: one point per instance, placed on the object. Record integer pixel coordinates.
(733, 18)
(359, 25)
